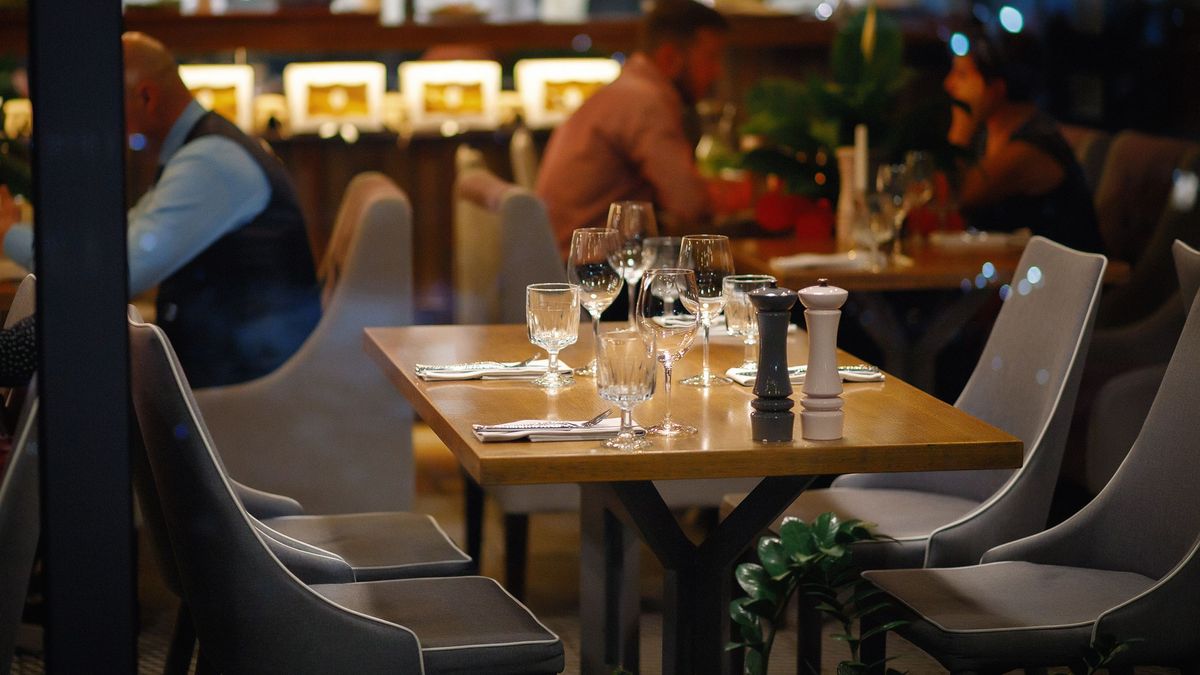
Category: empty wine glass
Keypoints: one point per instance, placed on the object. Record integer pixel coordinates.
(625, 374)
(663, 311)
(552, 316)
(590, 266)
(635, 223)
(920, 178)
(740, 317)
(712, 260)
(662, 252)
(891, 181)
(873, 226)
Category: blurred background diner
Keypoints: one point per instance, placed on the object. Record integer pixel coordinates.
(298, 170)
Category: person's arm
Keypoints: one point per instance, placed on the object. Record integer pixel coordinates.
(1017, 168)
(209, 188)
(667, 161)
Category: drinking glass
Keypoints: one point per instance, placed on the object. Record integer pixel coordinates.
(663, 311)
(635, 223)
(920, 178)
(891, 182)
(590, 266)
(710, 257)
(740, 317)
(625, 374)
(873, 226)
(552, 315)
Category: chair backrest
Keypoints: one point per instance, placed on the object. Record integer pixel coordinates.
(1187, 266)
(20, 524)
(502, 243)
(1025, 382)
(1133, 189)
(523, 154)
(24, 301)
(298, 430)
(1090, 147)
(251, 614)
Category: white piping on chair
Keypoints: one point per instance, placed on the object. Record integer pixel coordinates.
(1012, 480)
(1175, 571)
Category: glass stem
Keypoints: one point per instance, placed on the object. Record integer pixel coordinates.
(626, 432)
(552, 363)
(704, 374)
(632, 290)
(667, 388)
(596, 336)
(750, 353)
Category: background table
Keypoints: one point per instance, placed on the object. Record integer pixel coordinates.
(890, 426)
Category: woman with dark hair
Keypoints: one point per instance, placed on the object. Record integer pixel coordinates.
(1018, 171)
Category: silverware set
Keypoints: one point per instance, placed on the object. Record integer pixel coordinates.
(547, 425)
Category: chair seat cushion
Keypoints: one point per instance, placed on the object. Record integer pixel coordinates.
(394, 545)
(1006, 614)
(464, 624)
(907, 516)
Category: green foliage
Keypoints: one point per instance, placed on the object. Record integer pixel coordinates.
(1100, 654)
(816, 559)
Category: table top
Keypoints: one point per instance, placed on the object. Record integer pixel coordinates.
(890, 426)
(933, 268)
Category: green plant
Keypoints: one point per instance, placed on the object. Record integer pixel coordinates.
(1100, 653)
(816, 559)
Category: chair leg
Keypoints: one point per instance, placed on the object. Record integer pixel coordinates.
(808, 636)
(473, 515)
(516, 550)
(183, 643)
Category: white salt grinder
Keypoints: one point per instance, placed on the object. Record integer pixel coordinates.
(822, 416)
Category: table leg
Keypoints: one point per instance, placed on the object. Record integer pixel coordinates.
(697, 581)
(609, 600)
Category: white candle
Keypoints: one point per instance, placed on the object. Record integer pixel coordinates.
(860, 157)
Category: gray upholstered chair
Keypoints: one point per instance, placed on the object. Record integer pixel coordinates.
(523, 153)
(300, 430)
(23, 302)
(1025, 383)
(1126, 566)
(252, 614)
(502, 242)
(20, 520)
(1122, 403)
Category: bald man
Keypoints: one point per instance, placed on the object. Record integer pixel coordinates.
(220, 232)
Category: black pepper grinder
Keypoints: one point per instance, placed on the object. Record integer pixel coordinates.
(772, 419)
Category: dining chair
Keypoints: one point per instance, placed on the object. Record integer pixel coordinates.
(1127, 566)
(1090, 147)
(20, 518)
(1120, 407)
(23, 302)
(502, 242)
(523, 154)
(253, 614)
(300, 430)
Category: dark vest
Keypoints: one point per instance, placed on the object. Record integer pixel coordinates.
(244, 305)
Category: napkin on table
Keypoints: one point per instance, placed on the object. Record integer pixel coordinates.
(544, 430)
(487, 370)
(746, 377)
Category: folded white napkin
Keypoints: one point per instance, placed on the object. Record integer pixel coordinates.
(803, 261)
(549, 430)
(487, 370)
(861, 373)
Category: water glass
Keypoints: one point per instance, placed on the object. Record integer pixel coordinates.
(710, 257)
(626, 364)
(740, 317)
(891, 182)
(590, 265)
(635, 223)
(552, 316)
(666, 310)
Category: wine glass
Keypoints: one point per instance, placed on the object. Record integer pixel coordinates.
(873, 226)
(740, 317)
(552, 315)
(590, 266)
(625, 374)
(635, 222)
(709, 256)
(920, 178)
(891, 181)
(673, 326)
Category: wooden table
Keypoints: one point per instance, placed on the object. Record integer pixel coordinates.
(890, 426)
(972, 275)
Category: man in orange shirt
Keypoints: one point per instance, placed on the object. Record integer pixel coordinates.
(628, 141)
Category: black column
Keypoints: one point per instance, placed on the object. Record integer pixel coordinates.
(83, 348)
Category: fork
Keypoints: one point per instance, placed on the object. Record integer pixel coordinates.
(474, 365)
(548, 425)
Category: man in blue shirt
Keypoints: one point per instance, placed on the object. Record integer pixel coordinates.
(220, 232)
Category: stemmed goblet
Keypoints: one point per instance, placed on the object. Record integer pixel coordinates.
(673, 326)
(891, 182)
(625, 374)
(552, 317)
(712, 260)
(635, 223)
(590, 266)
(740, 317)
